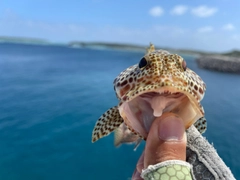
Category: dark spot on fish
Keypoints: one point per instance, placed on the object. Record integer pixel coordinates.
(191, 83)
(130, 79)
(195, 87)
(124, 83)
(124, 98)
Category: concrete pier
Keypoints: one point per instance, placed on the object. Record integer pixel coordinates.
(219, 63)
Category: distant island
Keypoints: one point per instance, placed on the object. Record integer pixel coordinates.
(22, 40)
(106, 45)
(130, 47)
(225, 62)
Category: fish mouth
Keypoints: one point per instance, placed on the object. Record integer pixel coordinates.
(139, 112)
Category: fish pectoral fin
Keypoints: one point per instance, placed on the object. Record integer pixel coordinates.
(201, 125)
(107, 123)
(123, 135)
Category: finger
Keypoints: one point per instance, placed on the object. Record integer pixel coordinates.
(136, 175)
(139, 167)
(166, 140)
(140, 164)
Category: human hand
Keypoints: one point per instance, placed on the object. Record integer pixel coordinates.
(166, 141)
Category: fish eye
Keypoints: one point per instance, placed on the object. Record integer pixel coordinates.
(143, 62)
(184, 65)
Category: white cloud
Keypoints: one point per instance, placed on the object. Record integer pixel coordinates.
(228, 27)
(205, 29)
(204, 11)
(179, 10)
(156, 11)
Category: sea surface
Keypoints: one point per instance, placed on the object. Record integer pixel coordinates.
(51, 97)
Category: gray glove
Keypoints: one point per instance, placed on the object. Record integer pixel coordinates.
(204, 158)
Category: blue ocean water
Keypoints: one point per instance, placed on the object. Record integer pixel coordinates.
(51, 97)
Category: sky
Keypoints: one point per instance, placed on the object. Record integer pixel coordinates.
(198, 25)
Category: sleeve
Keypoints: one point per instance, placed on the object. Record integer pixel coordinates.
(169, 170)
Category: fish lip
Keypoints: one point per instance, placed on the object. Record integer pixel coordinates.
(171, 88)
(155, 89)
(165, 93)
(170, 91)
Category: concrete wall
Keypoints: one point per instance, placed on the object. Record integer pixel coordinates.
(219, 63)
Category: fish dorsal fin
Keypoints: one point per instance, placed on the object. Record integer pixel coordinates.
(107, 123)
(151, 48)
(201, 125)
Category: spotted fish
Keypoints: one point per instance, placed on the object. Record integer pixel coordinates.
(159, 83)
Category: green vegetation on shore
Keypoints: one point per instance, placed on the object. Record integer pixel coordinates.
(130, 47)
(107, 45)
(233, 53)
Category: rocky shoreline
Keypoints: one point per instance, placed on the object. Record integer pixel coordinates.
(221, 63)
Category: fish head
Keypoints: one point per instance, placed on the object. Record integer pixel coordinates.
(160, 83)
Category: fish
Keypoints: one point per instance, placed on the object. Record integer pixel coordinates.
(160, 83)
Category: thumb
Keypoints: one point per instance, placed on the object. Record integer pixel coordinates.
(166, 140)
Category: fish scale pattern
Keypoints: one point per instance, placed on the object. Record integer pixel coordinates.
(173, 172)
